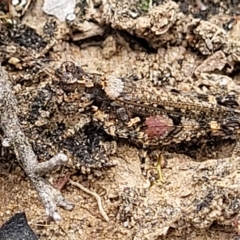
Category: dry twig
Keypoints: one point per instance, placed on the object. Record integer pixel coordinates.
(98, 198)
(16, 138)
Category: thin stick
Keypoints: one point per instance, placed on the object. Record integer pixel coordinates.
(98, 198)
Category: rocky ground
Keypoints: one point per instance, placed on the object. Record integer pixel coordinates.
(191, 46)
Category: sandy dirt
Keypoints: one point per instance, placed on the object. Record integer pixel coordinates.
(135, 210)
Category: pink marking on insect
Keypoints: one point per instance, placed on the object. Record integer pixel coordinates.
(157, 126)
